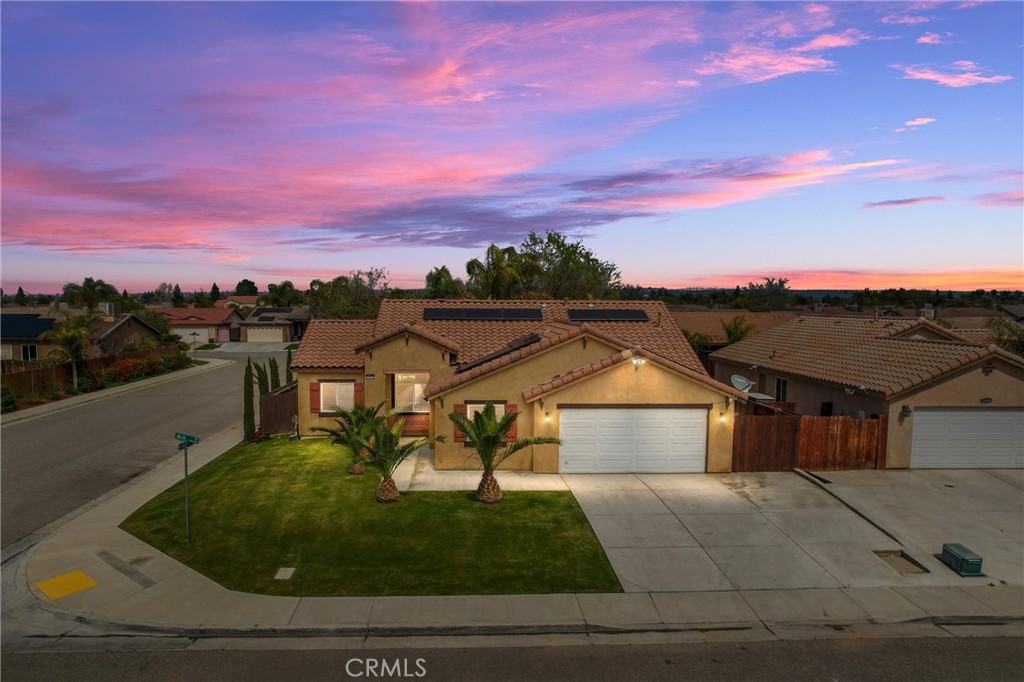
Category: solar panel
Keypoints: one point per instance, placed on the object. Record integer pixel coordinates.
(481, 314)
(607, 315)
(527, 314)
(267, 318)
(442, 313)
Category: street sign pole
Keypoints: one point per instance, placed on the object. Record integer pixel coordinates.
(188, 532)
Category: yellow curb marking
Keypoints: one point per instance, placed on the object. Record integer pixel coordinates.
(66, 584)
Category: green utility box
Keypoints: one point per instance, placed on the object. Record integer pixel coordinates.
(960, 559)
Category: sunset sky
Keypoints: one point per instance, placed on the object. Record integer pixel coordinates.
(843, 145)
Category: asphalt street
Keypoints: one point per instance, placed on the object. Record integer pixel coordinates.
(837, 660)
(56, 463)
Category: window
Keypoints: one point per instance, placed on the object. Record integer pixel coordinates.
(29, 352)
(472, 407)
(407, 395)
(337, 394)
(781, 388)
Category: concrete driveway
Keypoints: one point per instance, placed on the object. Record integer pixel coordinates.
(924, 508)
(772, 531)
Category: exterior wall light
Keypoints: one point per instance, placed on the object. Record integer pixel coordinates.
(547, 417)
(721, 416)
(638, 361)
(905, 411)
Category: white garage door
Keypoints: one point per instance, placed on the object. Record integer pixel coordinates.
(264, 334)
(968, 438)
(651, 440)
(186, 334)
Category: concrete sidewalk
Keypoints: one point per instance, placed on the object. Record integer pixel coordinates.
(140, 591)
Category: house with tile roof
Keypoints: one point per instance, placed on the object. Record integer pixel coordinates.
(275, 325)
(19, 336)
(951, 402)
(213, 325)
(616, 381)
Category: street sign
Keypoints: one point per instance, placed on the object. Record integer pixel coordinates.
(186, 438)
(182, 446)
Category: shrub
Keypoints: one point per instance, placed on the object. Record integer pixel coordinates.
(151, 366)
(7, 402)
(175, 361)
(126, 369)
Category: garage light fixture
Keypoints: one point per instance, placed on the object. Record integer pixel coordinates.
(637, 361)
(547, 417)
(721, 416)
(905, 411)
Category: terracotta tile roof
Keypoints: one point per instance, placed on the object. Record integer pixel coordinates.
(270, 316)
(547, 338)
(240, 300)
(858, 352)
(710, 322)
(330, 344)
(984, 336)
(480, 338)
(180, 317)
(598, 366)
(418, 330)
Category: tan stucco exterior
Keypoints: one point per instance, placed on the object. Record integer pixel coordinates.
(404, 353)
(623, 384)
(307, 419)
(508, 385)
(1003, 386)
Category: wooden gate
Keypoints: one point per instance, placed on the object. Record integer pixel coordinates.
(786, 442)
(278, 408)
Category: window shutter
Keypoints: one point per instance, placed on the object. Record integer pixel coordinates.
(314, 397)
(513, 433)
(460, 436)
(359, 393)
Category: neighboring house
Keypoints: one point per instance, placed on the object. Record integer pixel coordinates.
(1014, 312)
(615, 381)
(214, 325)
(19, 336)
(950, 402)
(275, 324)
(110, 336)
(236, 302)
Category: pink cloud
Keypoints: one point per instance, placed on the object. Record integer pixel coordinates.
(1011, 199)
(905, 20)
(895, 203)
(969, 74)
(931, 39)
(920, 121)
(828, 41)
(754, 64)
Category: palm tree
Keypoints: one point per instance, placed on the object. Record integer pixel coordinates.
(72, 338)
(384, 451)
(487, 435)
(1009, 334)
(737, 329)
(500, 275)
(353, 425)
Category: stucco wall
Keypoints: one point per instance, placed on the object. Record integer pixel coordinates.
(647, 384)
(508, 385)
(808, 395)
(401, 354)
(307, 419)
(623, 384)
(1004, 386)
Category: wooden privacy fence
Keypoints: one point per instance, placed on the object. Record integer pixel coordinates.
(57, 378)
(278, 408)
(784, 442)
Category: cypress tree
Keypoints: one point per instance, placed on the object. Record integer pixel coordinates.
(275, 375)
(248, 411)
(288, 368)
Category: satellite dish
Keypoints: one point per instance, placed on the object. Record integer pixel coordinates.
(741, 382)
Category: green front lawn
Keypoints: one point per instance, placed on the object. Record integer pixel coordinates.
(265, 506)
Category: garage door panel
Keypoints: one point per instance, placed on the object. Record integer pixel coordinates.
(968, 438)
(633, 440)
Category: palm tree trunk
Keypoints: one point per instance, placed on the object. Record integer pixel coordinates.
(356, 469)
(488, 492)
(388, 491)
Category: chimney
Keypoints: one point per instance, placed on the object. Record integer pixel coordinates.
(875, 316)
